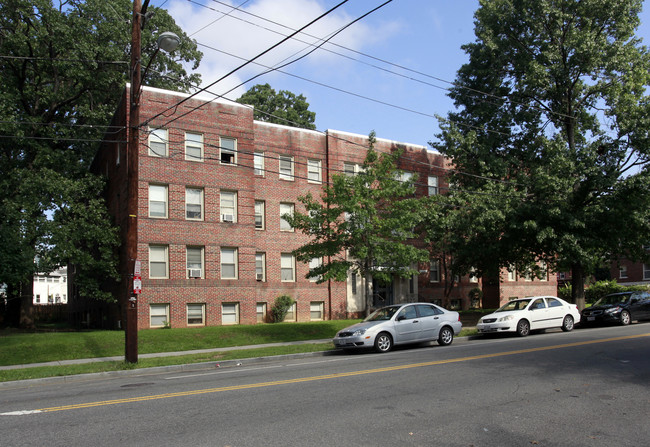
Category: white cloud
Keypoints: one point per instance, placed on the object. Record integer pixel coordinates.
(245, 33)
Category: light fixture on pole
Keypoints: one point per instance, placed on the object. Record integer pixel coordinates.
(168, 42)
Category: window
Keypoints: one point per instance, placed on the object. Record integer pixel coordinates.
(194, 262)
(196, 314)
(228, 263)
(473, 277)
(287, 267)
(351, 168)
(353, 280)
(260, 266)
(646, 271)
(622, 272)
(286, 167)
(543, 271)
(38, 299)
(258, 163)
(314, 264)
(434, 270)
(552, 302)
(285, 208)
(316, 310)
(157, 201)
(230, 313)
(512, 273)
(158, 142)
(228, 206)
(158, 261)
(412, 284)
(158, 315)
(261, 312)
(193, 146)
(194, 203)
(433, 185)
(313, 171)
(259, 215)
(291, 313)
(404, 176)
(228, 150)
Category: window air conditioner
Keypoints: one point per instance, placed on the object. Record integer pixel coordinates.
(194, 273)
(227, 218)
(259, 276)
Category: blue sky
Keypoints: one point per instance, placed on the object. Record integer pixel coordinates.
(349, 91)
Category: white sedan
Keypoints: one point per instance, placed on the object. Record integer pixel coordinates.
(529, 314)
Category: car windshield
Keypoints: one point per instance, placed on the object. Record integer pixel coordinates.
(613, 299)
(385, 313)
(514, 305)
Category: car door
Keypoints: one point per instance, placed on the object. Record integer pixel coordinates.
(430, 321)
(556, 312)
(538, 314)
(645, 306)
(407, 325)
(638, 306)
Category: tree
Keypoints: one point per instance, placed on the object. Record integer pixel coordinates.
(282, 107)
(362, 223)
(63, 67)
(551, 132)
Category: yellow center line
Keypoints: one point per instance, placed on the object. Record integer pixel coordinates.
(329, 376)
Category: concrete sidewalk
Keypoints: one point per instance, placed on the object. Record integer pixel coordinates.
(162, 354)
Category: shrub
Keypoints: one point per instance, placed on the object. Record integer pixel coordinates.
(281, 307)
(475, 297)
(601, 288)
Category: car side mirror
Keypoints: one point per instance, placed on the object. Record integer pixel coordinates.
(401, 317)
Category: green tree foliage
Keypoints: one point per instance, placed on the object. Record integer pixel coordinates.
(63, 68)
(281, 107)
(362, 223)
(550, 137)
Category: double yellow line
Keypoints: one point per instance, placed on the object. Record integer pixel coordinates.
(326, 376)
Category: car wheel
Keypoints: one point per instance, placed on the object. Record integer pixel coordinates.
(567, 323)
(625, 318)
(383, 342)
(523, 328)
(446, 336)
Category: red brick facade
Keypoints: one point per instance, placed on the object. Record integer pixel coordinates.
(171, 235)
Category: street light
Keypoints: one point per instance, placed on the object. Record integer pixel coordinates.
(168, 42)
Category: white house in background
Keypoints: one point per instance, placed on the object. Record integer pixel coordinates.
(51, 288)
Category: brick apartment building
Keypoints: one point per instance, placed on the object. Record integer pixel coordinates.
(212, 185)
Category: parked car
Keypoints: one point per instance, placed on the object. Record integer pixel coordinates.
(401, 324)
(620, 308)
(528, 314)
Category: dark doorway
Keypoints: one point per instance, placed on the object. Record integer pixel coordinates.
(382, 293)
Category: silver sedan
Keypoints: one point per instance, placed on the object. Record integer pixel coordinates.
(401, 324)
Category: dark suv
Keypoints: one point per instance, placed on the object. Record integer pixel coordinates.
(619, 308)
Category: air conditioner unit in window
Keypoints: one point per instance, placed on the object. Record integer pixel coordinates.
(194, 273)
(227, 218)
(259, 276)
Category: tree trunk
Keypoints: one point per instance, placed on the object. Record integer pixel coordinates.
(578, 285)
(27, 305)
(368, 287)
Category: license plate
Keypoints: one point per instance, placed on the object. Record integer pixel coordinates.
(591, 318)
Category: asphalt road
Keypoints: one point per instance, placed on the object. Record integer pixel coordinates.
(590, 387)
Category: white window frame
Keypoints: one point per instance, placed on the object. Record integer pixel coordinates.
(258, 163)
(227, 152)
(473, 278)
(194, 264)
(227, 209)
(314, 171)
(292, 313)
(512, 274)
(622, 272)
(260, 266)
(284, 173)
(287, 265)
(194, 203)
(261, 312)
(158, 139)
(157, 310)
(229, 313)
(192, 314)
(286, 208)
(646, 272)
(159, 255)
(194, 143)
(315, 263)
(316, 310)
(229, 257)
(434, 270)
(158, 194)
(432, 184)
(260, 211)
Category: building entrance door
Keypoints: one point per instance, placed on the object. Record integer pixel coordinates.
(382, 293)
